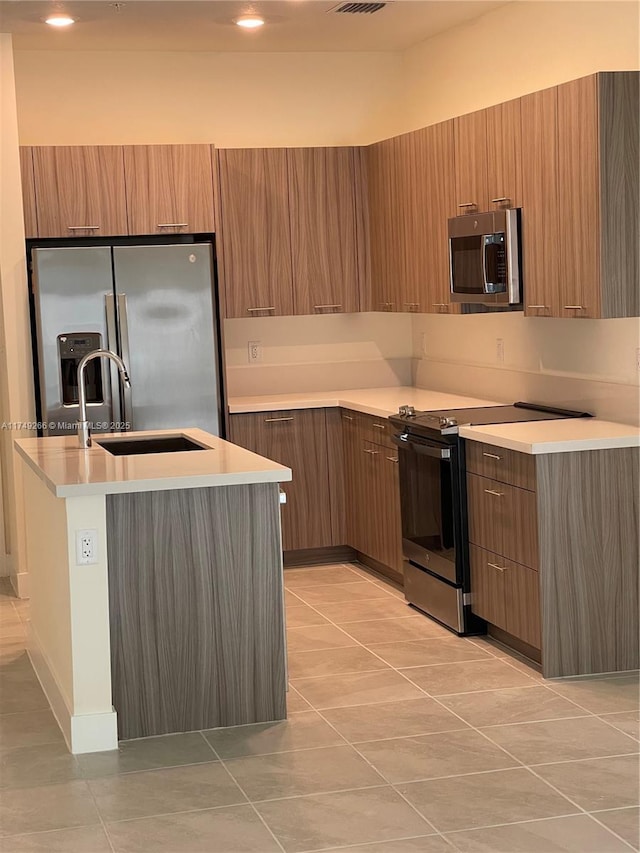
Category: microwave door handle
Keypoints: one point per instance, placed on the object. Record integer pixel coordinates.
(485, 243)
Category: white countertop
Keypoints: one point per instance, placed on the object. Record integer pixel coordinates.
(69, 471)
(559, 436)
(380, 402)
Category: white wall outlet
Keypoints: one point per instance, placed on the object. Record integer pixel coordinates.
(500, 349)
(255, 351)
(86, 547)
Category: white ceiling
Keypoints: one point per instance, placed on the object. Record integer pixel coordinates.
(207, 25)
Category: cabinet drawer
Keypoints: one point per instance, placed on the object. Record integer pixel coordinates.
(378, 430)
(506, 594)
(503, 519)
(507, 466)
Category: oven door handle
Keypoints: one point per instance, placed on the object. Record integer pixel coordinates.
(436, 451)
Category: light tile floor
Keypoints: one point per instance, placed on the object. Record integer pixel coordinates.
(401, 739)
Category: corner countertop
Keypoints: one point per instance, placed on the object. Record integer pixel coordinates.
(380, 402)
(558, 436)
(70, 471)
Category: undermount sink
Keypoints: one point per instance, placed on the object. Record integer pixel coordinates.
(137, 446)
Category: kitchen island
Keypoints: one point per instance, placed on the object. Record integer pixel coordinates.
(155, 584)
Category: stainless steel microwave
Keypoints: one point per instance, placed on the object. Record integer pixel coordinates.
(484, 258)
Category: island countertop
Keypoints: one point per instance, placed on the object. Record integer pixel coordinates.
(70, 471)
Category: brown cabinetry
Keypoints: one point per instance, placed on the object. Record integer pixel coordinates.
(80, 191)
(169, 189)
(297, 439)
(504, 155)
(470, 133)
(28, 192)
(322, 195)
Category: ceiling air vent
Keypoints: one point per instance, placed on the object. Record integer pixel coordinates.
(359, 8)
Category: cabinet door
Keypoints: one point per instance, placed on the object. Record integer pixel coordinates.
(522, 603)
(409, 224)
(487, 586)
(297, 439)
(385, 223)
(436, 182)
(28, 192)
(323, 230)
(504, 155)
(390, 521)
(470, 132)
(254, 227)
(540, 211)
(80, 191)
(169, 189)
(352, 488)
(579, 198)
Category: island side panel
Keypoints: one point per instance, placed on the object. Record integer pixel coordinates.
(588, 529)
(196, 608)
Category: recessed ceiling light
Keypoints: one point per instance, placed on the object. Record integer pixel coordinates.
(60, 20)
(249, 22)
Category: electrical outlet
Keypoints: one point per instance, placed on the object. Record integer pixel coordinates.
(86, 547)
(500, 349)
(255, 351)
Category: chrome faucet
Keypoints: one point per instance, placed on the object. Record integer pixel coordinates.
(84, 432)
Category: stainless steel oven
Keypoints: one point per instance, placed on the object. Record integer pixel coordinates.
(484, 258)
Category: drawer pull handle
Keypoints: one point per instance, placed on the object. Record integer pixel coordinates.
(269, 308)
(500, 200)
(276, 420)
(439, 304)
(173, 225)
(537, 306)
(492, 455)
(371, 452)
(392, 459)
(575, 307)
(83, 227)
(496, 566)
(491, 492)
(347, 417)
(378, 426)
(323, 307)
(468, 204)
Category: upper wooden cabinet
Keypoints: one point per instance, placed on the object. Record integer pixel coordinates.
(470, 133)
(169, 189)
(322, 196)
(80, 191)
(598, 183)
(28, 193)
(504, 155)
(255, 238)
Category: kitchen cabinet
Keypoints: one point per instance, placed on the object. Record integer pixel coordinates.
(297, 439)
(540, 212)
(28, 192)
(169, 189)
(470, 136)
(80, 190)
(322, 211)
(598, 155)
(504, 155)
(254, 231)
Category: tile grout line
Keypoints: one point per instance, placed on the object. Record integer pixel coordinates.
(244, 793)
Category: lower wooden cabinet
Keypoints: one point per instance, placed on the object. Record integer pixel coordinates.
(506, 594)
(297, 439)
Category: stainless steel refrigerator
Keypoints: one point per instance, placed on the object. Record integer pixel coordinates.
(155, 305)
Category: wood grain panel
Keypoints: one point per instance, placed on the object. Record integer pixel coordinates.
(336, 467)
(297, 439)
(470, 135)
(579, 198)
(487, 586)
(323, 230)
(619, 140)
(390, 521)
(196, 609)
(540, 208)
(522, 603)
(588, 509)
(28, 192)
(169, 189)
(502, 519)
(504, 154)
(80, 186)
(351, 442)
(498, 463)
(387, 258)
(410, 224)
(256, 239)
(363, 228)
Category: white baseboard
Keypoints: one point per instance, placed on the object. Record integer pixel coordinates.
(82, 732)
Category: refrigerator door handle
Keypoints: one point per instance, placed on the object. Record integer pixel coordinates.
(112, 344)
(123, 326)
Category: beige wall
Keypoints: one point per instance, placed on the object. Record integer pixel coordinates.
(518, 48)
(231, 99)
(16, 383)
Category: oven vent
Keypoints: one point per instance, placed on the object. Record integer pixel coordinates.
(359, 8)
